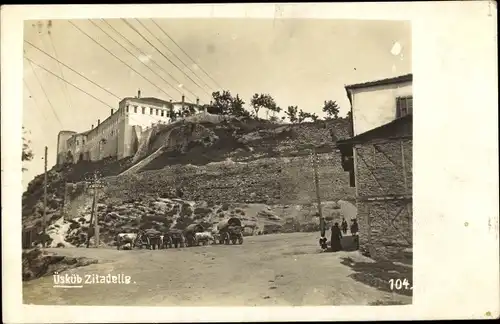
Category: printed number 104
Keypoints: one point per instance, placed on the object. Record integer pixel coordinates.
(399, 284)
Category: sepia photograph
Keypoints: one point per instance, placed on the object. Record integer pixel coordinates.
(234, 162)
(249, 162)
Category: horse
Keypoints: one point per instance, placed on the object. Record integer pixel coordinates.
(153, 238)
(165, 241)
(204, 237)
(124, 238)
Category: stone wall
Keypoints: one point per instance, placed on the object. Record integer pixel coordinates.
(268, 180)
(386, 226)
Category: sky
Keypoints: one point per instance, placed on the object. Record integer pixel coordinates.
(300, 62)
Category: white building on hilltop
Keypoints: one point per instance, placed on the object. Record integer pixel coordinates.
(119, 134)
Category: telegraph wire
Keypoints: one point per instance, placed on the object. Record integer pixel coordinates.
(67, 82)
(132, 27)
(32, 95)
(65, 86)
(71, 84)
(205, 83)
(118, 58)
(68, 67)
(45, 93)
(174, 87)
(146, 28)
(201, 68)
(137, 48)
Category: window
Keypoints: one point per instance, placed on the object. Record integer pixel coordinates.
(126, 108)
(135, 109)
(143, 110)
(162, 113)
(156, 112)
(150, 111)
(77, 142)
(404, 106)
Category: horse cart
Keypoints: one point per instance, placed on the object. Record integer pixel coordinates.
(174, 238)
(149, 239)
(230, 230)
(190, 233)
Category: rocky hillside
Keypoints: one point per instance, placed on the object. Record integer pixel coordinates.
(164, 213)
(235, 162)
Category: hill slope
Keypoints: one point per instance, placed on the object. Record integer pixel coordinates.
(230, 162)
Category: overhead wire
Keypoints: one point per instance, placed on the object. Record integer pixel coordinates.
(65, 86)
(177, 57)
(91, 38)
(45, 93)
(73, 70)
(71, 84)
(32, 95)
(136, 47)
(201, 68)
(139, 33)
(128, 51)
(146, 28)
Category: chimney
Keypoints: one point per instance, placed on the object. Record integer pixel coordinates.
(197, 101)
(183, 97)
(92, 127)
(98, 122)
(139, 94)
(112, 110)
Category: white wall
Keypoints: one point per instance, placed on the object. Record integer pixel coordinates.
(375, 106)
(146, 119)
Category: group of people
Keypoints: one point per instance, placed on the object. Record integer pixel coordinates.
(336, 235)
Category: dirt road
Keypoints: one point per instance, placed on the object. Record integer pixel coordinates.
(281, 269)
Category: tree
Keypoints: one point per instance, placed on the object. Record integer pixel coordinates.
(331, 108)
(302, 116)
(291, 112)
(27, 154)
(224, 104)
(237, 107)
(263, 101)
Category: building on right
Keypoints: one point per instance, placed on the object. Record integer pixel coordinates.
(379, 160)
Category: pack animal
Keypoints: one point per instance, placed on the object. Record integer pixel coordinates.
(204, 237)
(124, 238)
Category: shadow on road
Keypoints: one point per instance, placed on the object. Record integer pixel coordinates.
(379, 275)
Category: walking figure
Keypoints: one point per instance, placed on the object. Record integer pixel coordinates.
(354, 227)
(335, 239)
(354, 232)
(344, 226)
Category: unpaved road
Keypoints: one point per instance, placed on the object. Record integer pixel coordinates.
(281, 269)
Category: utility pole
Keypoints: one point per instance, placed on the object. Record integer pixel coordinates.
(95, 184)
(65, 197)
(44, 221)
(318, 197)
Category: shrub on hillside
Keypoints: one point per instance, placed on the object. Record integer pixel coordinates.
(186, 211)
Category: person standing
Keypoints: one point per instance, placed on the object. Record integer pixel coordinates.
(354, 227)
(354, 232)
(336, 237)
(344, 226)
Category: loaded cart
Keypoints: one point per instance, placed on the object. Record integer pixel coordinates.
(230, 230)
(190, 232)
(175, 238)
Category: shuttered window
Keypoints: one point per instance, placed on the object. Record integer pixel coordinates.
(404, 106)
